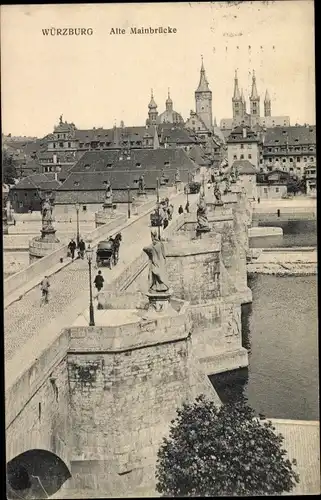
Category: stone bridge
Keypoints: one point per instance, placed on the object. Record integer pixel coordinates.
(92, 403)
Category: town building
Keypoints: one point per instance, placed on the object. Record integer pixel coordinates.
(252, 118)
(87, 180)
(291, 149)
(30, 191)
(272, 185)
(168, 116)
(311, 180)
(247, 175)
(243, 144)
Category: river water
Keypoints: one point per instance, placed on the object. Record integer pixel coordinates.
(295, 233)
(280, 331)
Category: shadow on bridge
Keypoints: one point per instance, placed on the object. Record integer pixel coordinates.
(35, 474)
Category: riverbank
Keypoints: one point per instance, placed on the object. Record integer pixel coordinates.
(278, 269)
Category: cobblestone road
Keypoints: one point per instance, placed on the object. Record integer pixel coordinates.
(68, 293)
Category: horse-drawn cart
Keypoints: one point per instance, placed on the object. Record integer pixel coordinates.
(105, 253)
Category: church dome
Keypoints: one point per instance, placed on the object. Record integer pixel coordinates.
(169, 115)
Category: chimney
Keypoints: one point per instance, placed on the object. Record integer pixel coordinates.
(244, 133)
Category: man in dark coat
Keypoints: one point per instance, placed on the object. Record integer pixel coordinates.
(72, 247)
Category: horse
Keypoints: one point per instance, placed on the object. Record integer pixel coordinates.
(117, 240)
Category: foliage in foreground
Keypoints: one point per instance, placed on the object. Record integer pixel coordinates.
(222, 451)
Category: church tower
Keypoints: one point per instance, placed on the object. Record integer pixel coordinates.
(203, 100)
(169, 103)
(254, 101)
(237, 103)
(152, 111)
(267, 104)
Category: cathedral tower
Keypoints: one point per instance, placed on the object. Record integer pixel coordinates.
(152, 111)
(203, 100)
(254, 100)
(237, 103)
(267, 104)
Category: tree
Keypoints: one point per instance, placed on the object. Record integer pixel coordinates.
(8, 168)
(293, 186)
(225, 451)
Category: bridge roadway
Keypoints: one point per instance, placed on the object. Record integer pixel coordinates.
(30, 327)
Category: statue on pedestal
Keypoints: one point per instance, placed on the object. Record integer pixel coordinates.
(227, 188)
(177, 176)
(157, 265)
(162, 179)
(202, 220)
(108, 193)
(217, 194)
(141, 184)
(46, 212)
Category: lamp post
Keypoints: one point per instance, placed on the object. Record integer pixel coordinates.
(128, 200)
(203, 183)
(77, 206)
(89, 253)
(187, 187)
(157, 194)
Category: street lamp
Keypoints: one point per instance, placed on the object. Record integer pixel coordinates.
(157, 194)
(187, 187)
(89, 253)
(77, 207)
(128, 200)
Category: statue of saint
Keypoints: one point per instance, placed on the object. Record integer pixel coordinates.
(162, 180)
(217, 194)
(177, 176)
(108, 192)
(60, 119)
(46, 212)
(202, 220)
(227, 184)
(157, 265)
(141, 184)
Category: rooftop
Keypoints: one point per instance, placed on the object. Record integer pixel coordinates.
(297, 135)
(244, 167)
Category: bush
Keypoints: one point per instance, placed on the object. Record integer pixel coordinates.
(222, 451)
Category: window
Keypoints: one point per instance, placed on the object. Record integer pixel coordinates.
(249, 156)
(291, 169)
(249, 146)
(84, 208)
(276, 159)
(311, 158)
(87, 166)
(166, 163)
(270, 160)
(298, 159)
(234, 157)
(54, 145)
(261, 161)
(284, 160)
(69, 144)
(242, 157)
(311, 148)
(242, 146)
(305, 159)
(61, 144)
(270, 150)
(265, 190)
(276, 150)
(109, 165)
(277, 190)
(138, 165)
(76, 183)
(291, 160)
(198, 128)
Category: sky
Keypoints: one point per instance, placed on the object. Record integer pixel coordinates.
(101, 79)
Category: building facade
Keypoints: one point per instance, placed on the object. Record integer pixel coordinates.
(243, 144)
(272, 185)
(290, 149)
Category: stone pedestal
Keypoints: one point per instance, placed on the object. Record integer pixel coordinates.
(159, 304)
(202, 230)
(142, 196)
(43, 245)
(103, 216)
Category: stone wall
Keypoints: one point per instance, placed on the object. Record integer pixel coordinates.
(122, 402)
(37, 405)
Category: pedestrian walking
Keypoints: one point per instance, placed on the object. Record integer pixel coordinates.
(99, 281)
(72, 247)
(187, 207)
(165, 223)
(259, 199)
(180, 210)
(44, 286)
(82, 248)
